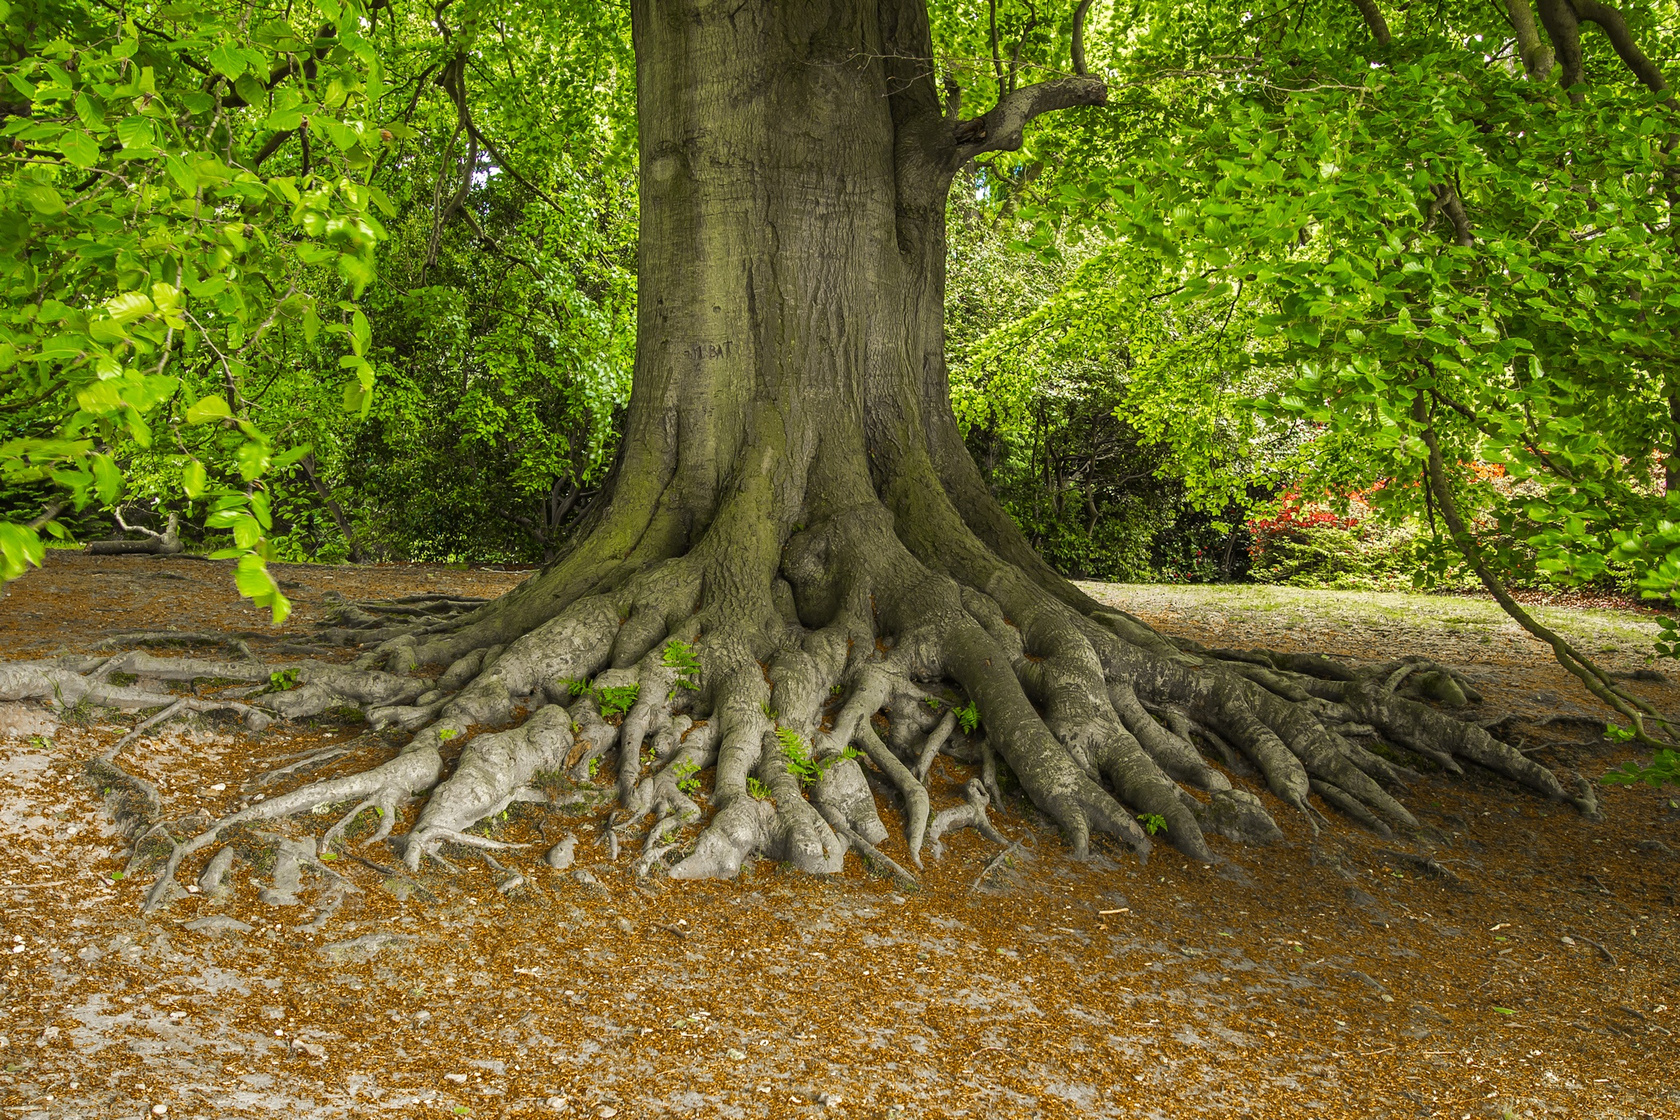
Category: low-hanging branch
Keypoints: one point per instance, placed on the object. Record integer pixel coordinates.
(1597, 681)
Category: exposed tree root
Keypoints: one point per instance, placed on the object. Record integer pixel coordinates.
(842, 650)
(971, 815)
(166, 543)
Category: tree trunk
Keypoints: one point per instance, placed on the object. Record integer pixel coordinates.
(795, 555)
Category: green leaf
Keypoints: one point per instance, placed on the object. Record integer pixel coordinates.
(193, 478)
(252, 458)
(135, 132)
(207, 409)
(227, 60)
(43, 199)
(125, 307)
(108, 479)
(20, 547)
(185, 177)
(79, 148)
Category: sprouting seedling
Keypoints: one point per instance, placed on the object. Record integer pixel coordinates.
(686, 773)
(594, 766)
(799, 761)
(932, 702)
(447, 733)
(617, 700)
(282, 680)
(575, 686)
(968, 717)
(1152, 822)
(680, 656)
(758, 789)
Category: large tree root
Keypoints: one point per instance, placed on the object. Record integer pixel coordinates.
(852, 648)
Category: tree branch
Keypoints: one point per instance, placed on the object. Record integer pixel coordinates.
(1374, 20)
(53, 510)
(1001, 129)
(997, 53)
(357, 554)
(1563, 28)
(1613, 25)
(1453, 207)
(271, 146)
(1079, 37)
(1538, 60)
(1597, 681)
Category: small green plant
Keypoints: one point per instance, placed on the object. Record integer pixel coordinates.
(799, 760)
(687, 774)
(282, 680)
(764, 706)
(617, 700)
(758, 789)
(932, 702)
(1664, 768)
(1152, 822)
(680, 656)
(594, 766)
(447, 734)
(575, 686)
(968, 717)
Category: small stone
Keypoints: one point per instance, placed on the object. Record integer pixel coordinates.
(561, 855)
(1567, 940)
(624, 926)
(20, 721)
(217, 924)
(606, 1111)
(558, 1104)
(829, 1100)
(736, 1055)
(456, 1078)
(216, 870)
(399, 888)
(160, 1109)
(368, 943)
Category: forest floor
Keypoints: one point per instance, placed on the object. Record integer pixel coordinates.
(1511, 960)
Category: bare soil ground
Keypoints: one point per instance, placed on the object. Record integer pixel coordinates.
(1513, 960)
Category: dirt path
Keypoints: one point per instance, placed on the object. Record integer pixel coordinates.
(1517, 961)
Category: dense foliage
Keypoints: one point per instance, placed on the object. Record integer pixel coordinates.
(199, 199)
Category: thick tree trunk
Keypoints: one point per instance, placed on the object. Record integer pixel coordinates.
(796, 559)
